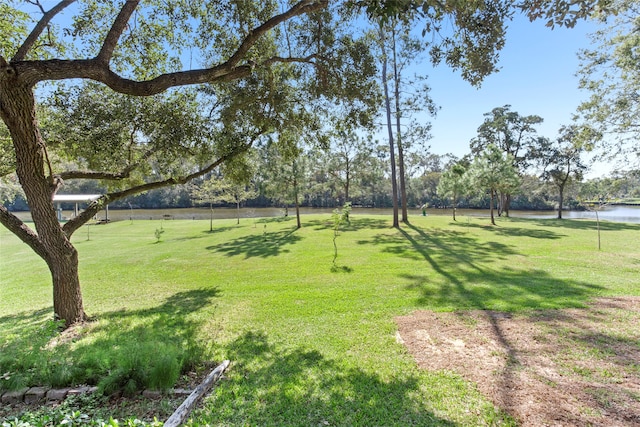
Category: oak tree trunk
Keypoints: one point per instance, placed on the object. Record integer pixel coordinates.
(17, 110)
(67, 296)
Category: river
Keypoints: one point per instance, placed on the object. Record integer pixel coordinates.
(629, 214)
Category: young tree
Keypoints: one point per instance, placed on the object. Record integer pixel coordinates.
(345, 160)
(340, 217)
(560, 160)
(282, 173)
(220, 188)
(453, 183)
(493, 172)
(373, 178)
(204, 192)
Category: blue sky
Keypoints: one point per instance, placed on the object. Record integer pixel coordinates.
(537, 76)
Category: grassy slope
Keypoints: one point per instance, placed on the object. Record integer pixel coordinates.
(311, 345)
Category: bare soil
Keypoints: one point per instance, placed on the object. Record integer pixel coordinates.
(570, 367)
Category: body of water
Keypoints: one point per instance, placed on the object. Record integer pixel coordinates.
(612, 213)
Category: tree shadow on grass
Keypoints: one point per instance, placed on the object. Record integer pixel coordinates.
(441, 248)
(129, 343)
(21, 337)
(501, 229)
(271, 385)
(258, 245)
(355, 223)
(274, 219)
(25, 318)
(464, 265)
(202, 235)
(580, 224)
(607, 329)
(461, 273)
(505, 289)
(341, 269)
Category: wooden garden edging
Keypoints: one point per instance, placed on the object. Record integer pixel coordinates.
(183, 411)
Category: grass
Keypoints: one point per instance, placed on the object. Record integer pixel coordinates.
(310, 344)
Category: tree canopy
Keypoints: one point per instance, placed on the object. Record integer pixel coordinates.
(493, 171)
(611, 73)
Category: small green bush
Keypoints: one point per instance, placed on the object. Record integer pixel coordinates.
(59, 374)
(165, 372)
(153, 365)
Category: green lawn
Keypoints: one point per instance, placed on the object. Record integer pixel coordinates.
(310, 344)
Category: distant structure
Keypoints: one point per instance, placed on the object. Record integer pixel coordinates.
(76, 199)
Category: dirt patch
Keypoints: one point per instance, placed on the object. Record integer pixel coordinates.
(571, 367)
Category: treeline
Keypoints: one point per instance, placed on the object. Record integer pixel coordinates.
(329, 179)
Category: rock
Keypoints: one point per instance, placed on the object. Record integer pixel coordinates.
(57, 394)
(15, 396)
(78, 390)
(35, 394)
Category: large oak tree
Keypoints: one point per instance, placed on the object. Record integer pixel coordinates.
(133, 49)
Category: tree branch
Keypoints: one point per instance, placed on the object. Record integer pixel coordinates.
(24, 233)
(38, 29)
(97, 69)
(72, 225)
(118, 27)
(300, 8)
(33, 72)
(94, 175)
(306, 60)
(109, 176)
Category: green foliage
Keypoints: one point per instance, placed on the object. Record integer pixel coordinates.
(479, 26)
(13, 27)
(512, 133)
(21, 356)
(73, 413)
(234, 187)
(133, 138)
(494, 172)
(149, 365)
(609, 71)
(453, 183)
(9, 188)
(560, 160)
(148, 349)
(282, 174)
(621, 185)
